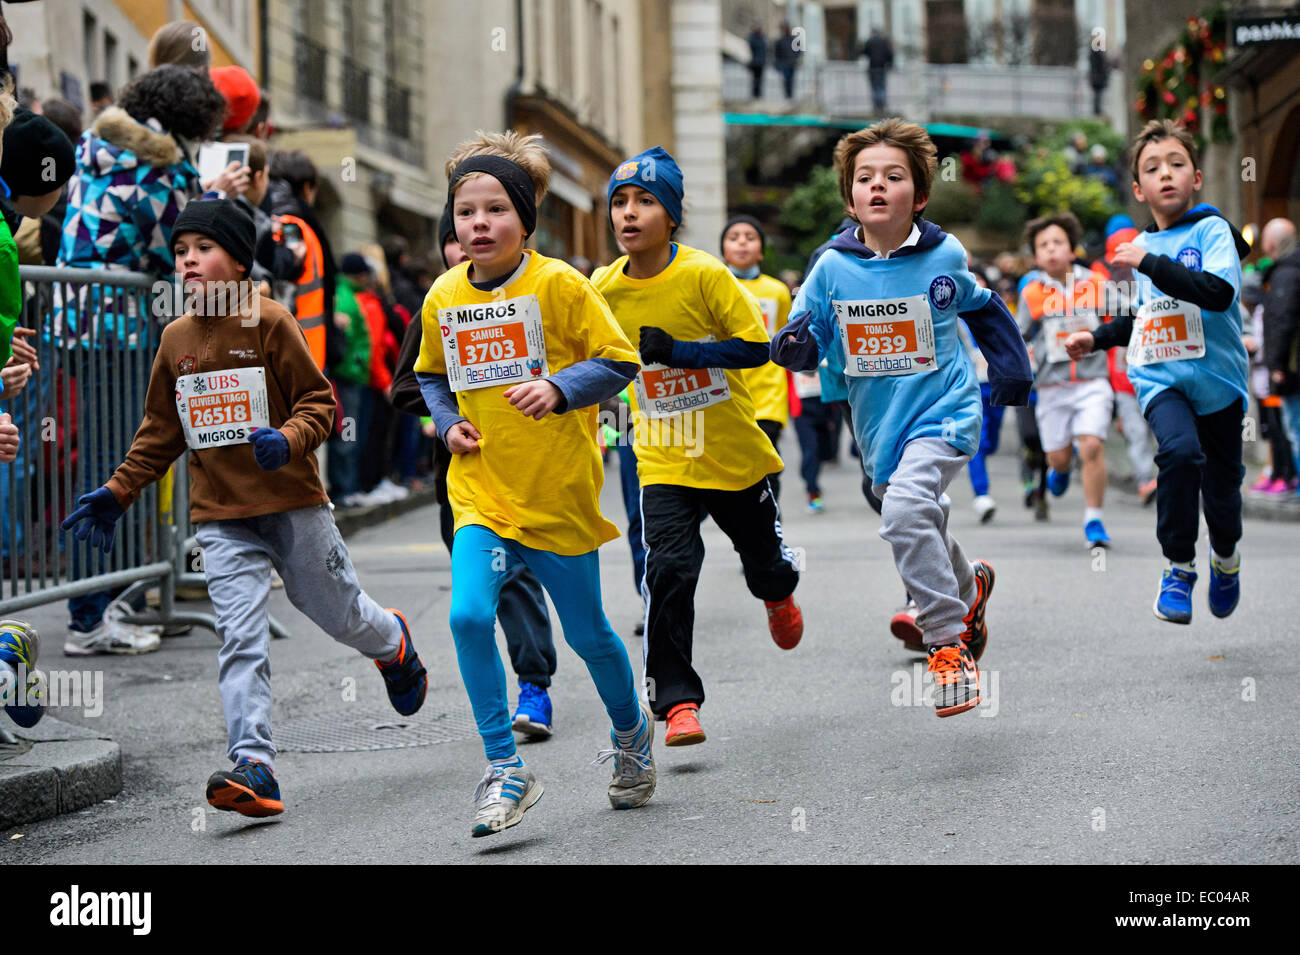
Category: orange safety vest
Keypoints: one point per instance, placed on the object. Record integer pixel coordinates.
(309, 294)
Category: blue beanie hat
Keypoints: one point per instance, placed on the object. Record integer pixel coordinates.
(1117, 222)
(655, 171)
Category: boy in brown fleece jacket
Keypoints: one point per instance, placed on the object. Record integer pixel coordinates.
(235, 382)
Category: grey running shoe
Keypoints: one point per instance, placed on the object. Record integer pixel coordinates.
(503, 795)
(633, 782)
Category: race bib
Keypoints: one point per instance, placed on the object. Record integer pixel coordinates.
(769, 307)
(1166, 329)
(498, 343)
(888, 336)
(1057, 328)
(662, 391)
(219, 408)
(807, 384)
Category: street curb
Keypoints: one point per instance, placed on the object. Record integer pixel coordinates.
(353, 519)
(67, 768)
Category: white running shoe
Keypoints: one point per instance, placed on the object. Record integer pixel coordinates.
(503, 795)
(391, 491)
(985, 508)
(633, 782)
(113, 635)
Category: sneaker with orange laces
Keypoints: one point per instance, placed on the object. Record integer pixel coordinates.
(684, 726)
(976, 636)
(956, 680)
(785, 621)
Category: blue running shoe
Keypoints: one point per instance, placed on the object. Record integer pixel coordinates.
(406, 677)
(533, 715)
(1058, 482)
(20, 645)
(250, 789)
(1095, 532)
(1225, 587)
(1174, 602)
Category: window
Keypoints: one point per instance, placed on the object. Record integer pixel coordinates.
(841, 33)
(89, 49)
(945, 31)
(132, 68)
(564, 49)
(1056, 41)
(596, 91)
(110, 60)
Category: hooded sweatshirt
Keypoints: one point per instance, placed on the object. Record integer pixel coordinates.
(1196, 260)
(892, 409)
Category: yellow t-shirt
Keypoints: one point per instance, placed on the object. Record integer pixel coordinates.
(696, 296)
(535, 482)
(767, 383)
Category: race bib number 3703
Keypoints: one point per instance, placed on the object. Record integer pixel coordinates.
(498, 343)
(886, 336)
(219, 408)
(1166, 329)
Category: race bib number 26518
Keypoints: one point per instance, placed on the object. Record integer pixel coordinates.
(219, 408)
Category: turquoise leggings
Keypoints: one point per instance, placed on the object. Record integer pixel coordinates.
(478, 564)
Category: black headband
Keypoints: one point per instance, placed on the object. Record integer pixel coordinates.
(518, 184)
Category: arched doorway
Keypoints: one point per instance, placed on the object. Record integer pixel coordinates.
(1281, 185)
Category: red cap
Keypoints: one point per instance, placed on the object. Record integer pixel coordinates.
(241, 93)
(1118, 238)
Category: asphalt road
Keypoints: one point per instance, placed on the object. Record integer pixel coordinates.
(1107, 736)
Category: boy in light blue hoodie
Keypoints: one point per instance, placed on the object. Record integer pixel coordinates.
(881, 306)
(1187, 364)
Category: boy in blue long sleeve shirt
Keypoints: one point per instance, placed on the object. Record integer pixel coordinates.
(1187, 364)
(882, 306)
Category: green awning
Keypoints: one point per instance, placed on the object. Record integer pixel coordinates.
(827, 122)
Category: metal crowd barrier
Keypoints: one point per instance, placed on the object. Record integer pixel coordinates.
(96, 336)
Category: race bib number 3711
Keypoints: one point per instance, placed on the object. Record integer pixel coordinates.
(219, 408)
(498, 343)
(886, 336)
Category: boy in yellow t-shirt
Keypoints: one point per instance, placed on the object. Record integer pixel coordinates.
(698, 448)
(518, 349)
(742, 249)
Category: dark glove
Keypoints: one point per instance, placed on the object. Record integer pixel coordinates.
(656, 345)
(100, 512)
(270, 447)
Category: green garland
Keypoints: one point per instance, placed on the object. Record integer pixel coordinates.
(1182, 84)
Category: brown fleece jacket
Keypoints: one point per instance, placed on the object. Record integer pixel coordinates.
(227, 482)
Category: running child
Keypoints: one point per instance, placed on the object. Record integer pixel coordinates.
(1075, 401)
(1188, 364)
(234, 360)
(518, 350)
(698, 447)
(743, 243)
(882, 306)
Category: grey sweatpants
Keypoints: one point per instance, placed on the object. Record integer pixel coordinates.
(914, 512)
(306, 549)
(1137, 434)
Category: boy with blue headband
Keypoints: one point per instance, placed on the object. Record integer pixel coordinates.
(518, 350)
(699, 448)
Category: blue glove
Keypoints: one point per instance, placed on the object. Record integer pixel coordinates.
(100, 512)
(270, 447)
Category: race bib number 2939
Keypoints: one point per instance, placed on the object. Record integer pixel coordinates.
(886, 336)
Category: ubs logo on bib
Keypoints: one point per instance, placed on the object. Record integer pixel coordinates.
(1190, 257)
(942, 292)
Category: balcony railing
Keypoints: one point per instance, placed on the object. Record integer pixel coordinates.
(840, 88)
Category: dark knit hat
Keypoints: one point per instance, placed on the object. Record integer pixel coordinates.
(38, 156)
(655, 171)
(446, 230)
(354, 263)
(222, 221)
(747, 220)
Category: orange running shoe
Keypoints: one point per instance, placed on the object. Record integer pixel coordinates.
(250, 789)
(785, 621)
(903, 625)
(956, 680)
(684, 726)
(976, 636)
